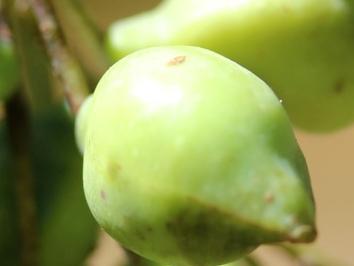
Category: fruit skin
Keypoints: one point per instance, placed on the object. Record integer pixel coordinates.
(9, 72)
(303, 49)
(81, 123)
(190, 159)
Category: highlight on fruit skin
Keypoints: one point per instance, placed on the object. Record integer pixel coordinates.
(190, 159)
(303, 49)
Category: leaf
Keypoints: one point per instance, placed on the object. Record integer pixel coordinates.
(68, 231)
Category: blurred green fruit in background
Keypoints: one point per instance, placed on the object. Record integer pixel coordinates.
(303, 49)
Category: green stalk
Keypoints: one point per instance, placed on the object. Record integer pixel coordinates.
(33, 61)
(82, 36)
(64, 66)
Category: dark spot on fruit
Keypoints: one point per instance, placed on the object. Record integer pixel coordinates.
(114, 170)
(339, 86)
(103, 195)
(222, 233)
(176, 60)
(149, 229)
(140, 235)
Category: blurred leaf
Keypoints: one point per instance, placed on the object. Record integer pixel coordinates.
(68, 230)
(34, 62)
(79, 29)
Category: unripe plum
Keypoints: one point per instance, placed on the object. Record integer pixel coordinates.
(190, 159)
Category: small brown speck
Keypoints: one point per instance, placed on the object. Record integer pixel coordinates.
(149, 229)
(176, 60)
(103, 195)
(269, 198)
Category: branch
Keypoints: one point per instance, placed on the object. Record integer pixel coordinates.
(82, 36)
(64, 66)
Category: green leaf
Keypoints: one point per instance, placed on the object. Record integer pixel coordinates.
(33, 60)
(68, 231)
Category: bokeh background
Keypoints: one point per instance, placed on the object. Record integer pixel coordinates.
(330, 159)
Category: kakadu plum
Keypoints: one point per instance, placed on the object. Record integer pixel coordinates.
(190, 159)
(303, 49)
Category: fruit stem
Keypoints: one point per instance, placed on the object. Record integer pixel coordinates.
(18, 124)
(64, 65)
(82, 36)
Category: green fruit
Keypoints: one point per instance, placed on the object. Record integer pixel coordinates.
(81, 124)
(190, 159)
(9, 72)
(303, 49)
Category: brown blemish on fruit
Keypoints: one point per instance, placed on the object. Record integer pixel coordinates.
(176, 60)
(339, 86)
(103, 195)
(149, 229)
(269, 198)
(301, 233)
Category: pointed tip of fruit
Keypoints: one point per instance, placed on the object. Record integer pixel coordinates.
(302, 234)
